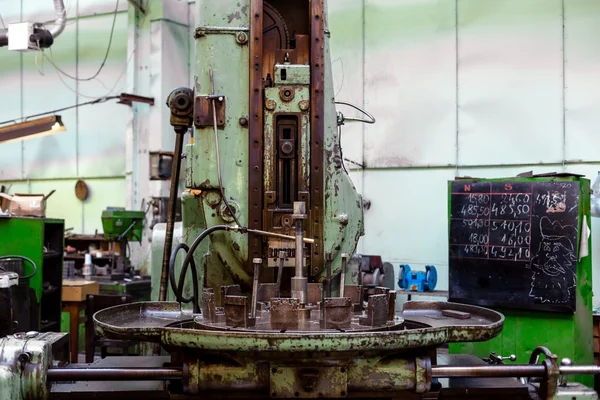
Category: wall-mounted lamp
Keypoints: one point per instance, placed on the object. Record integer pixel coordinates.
(32, 128)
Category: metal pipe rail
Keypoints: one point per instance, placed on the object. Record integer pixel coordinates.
(508, 371)
(437, 371)
(113, 374)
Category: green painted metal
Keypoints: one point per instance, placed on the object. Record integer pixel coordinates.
(28, 237)
(26, 380)
(229, 62)
(343, 215)
(218, 51)
(116, 222)
(565, 335)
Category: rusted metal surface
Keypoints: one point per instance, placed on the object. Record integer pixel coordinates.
(236, 311)
(456, 314)
(203, 112)
(165, 323)
(338, 312)
(317, 82)
(230, 290)
(284, 313)
(209, 305)
(354, 293)
(255, 158)
(175, 169)
(308, 382)
(266, 291)
(392, 305)
(315, 292)
(377, 310)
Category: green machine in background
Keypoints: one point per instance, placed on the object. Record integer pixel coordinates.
(522, 247)
(41, 240)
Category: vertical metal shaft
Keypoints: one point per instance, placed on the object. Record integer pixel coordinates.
(299, 248)
(343, 274)
(257, 264)
(328, 259)
(279, 273)
(299, 281)
(162, 295)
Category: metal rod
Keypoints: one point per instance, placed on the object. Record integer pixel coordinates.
(299, 281)
(513, 371)
(488, 371)
(113, 374)
(257, 264)
(328, 259)
(280, 274)
(279, 235)
(299, 249)
(162, 296)
(343, 274)
(579, 370)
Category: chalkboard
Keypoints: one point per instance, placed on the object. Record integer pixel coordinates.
(514, 244)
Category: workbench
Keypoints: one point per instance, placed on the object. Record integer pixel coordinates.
(74, 297)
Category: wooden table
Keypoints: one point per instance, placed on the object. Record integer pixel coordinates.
(433, 293)
(74, 295)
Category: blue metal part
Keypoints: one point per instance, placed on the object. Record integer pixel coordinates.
(417, 281)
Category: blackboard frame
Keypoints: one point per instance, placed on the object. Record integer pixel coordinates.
(505, 287)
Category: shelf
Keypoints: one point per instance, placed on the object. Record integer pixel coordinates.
(50, 291)
(48, 325)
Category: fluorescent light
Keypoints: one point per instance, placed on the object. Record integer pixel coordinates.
(33, 128)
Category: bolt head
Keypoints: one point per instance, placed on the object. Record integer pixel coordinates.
(566, 361)
(270, 104)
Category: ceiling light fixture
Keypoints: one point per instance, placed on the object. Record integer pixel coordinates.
(32, 128)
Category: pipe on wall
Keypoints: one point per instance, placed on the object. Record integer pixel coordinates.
(59, 23)
(61, 19)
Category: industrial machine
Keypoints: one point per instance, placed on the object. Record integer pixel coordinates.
(418, 281)
(269, 300)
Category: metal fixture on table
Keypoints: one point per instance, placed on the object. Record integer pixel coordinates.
(417, 281)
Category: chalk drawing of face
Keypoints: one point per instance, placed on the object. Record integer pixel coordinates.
(553, 278)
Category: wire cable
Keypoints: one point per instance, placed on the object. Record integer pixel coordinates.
(1, 20)
(214, 109)
(112, 31)
(29, 260)
(97, 101)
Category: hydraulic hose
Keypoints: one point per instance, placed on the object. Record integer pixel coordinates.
(178, 289)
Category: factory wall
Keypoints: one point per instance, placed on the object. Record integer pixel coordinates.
(93, 147)
(481, 88)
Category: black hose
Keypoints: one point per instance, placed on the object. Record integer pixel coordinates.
(30, 261)
(189, 259)
(178, 289)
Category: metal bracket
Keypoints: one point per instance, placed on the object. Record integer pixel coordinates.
(203, 115)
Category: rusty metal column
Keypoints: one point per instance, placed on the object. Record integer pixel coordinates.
(255, 142)
(181, 104)
(317, 132)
